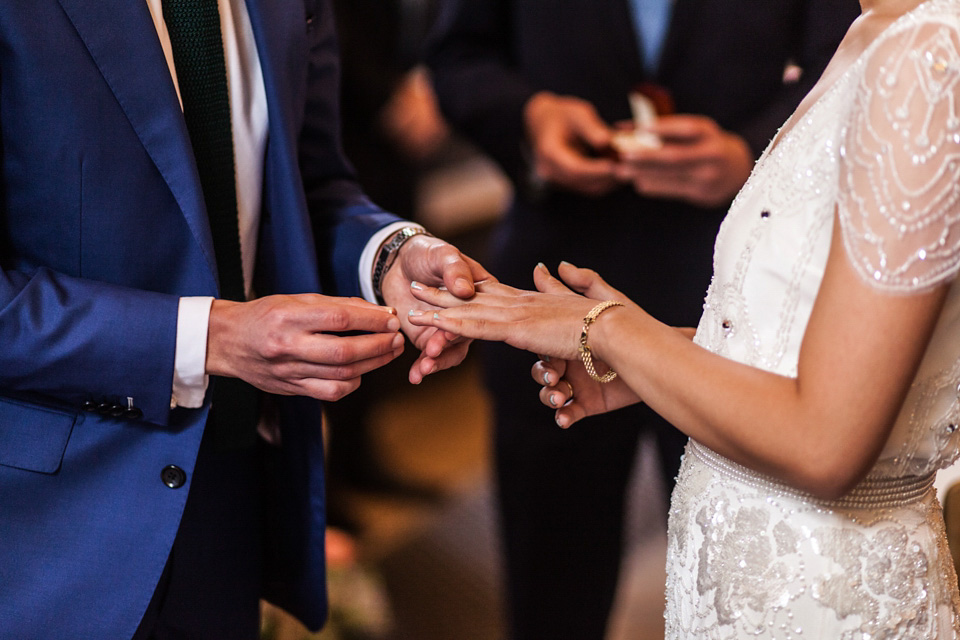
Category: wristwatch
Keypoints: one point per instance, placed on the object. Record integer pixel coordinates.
(388, 254)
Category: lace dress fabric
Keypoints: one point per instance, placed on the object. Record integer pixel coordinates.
(879, 152)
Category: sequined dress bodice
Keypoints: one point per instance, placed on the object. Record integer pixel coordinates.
(879, 152)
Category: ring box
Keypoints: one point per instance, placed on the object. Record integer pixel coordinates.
(647, 102)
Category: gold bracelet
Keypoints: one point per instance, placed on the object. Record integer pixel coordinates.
(585, 354)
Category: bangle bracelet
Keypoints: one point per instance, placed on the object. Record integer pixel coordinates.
(388, 254)
(585, 354)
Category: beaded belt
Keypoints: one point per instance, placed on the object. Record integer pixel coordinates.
(873, 492)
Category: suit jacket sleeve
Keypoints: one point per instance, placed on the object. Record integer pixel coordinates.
(343, 217)
(72, 340)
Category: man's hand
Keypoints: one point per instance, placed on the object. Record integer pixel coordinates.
(288, 344)
(699, 162)
(434, 262)
(568, 138)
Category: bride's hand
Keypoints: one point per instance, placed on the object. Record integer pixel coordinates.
(548, 321)
(568, 389)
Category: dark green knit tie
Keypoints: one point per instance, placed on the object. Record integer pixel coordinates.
(194, 28)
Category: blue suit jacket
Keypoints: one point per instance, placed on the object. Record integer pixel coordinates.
(102, 229)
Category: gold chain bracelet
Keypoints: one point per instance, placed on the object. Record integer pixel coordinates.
(585, 354)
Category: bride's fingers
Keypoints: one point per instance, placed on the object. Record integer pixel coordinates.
(568, 414)
(441, 297)
(545, 282)
(588, 282)
(435, 296)
(548, 373)
(556, 397)
(467, 321)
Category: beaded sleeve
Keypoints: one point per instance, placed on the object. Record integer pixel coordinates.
(899, 203)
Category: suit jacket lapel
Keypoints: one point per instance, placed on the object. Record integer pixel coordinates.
(122, 40)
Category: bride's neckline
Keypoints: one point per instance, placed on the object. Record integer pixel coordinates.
(864, 33)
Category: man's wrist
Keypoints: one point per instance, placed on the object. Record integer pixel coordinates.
(387, 255)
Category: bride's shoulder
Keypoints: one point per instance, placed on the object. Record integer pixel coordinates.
(900, 205)
(931, 19)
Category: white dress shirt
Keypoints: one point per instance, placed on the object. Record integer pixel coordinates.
(249, 119)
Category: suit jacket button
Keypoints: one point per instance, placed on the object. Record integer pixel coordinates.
(117, 411)
(133, 413)
(104, 408)
(89, 405)
(173, 476)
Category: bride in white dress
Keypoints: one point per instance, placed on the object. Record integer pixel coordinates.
(821, 389)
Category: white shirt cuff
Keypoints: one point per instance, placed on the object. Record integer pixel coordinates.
(370, 254)
(190, 359)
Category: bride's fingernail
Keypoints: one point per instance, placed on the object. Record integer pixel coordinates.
(540, 265)
(566, 263)
(561, 422)
(413, 313)
(416, 285)
(545, 358)
(546, 378)
(553, 399)
(436, 316)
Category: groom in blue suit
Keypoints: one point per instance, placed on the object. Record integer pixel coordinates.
(125, 509)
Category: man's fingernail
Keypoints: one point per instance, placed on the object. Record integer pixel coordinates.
(416, 285)
(398, 341)
(463, 283)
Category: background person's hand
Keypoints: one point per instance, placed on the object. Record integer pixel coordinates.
(568, 140)
(435, 263)
(289, 345)
(699, 162)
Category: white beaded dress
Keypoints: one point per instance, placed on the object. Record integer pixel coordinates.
(879, 152)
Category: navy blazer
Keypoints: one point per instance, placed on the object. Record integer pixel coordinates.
(102, 230)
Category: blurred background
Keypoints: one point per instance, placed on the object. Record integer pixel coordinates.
(412, 548)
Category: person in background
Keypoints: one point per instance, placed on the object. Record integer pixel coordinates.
(540, 86)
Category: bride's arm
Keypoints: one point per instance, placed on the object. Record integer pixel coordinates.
(820, 432)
